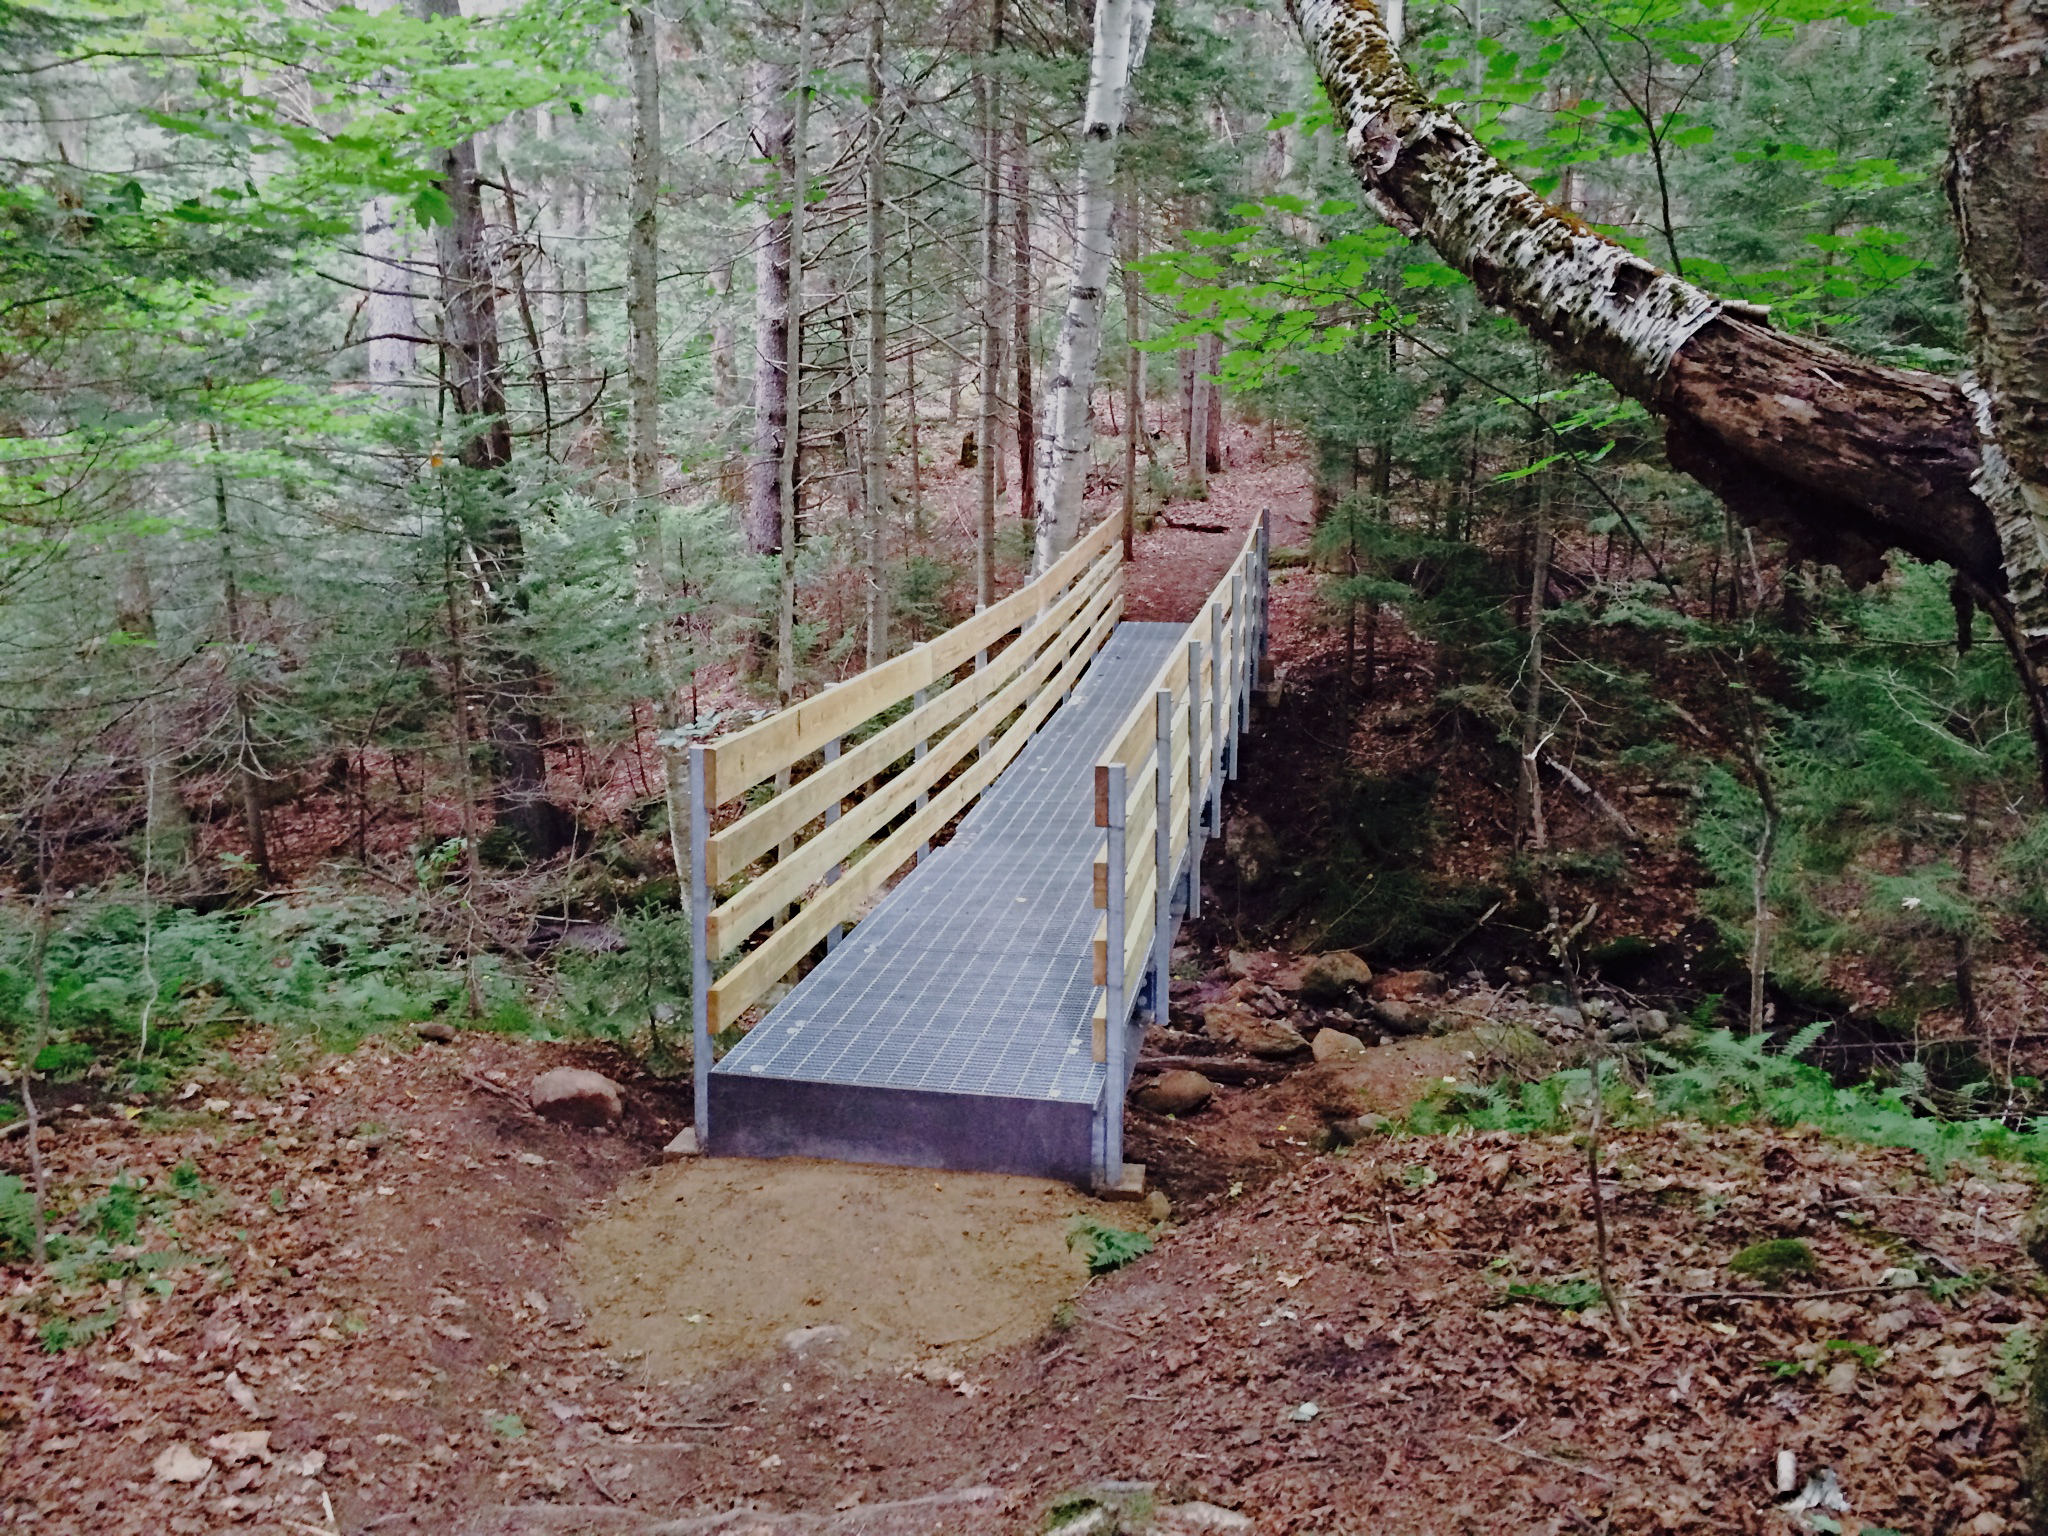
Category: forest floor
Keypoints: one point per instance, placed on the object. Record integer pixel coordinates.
(374, 1292)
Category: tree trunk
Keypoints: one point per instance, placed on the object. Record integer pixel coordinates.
(773, 133)
(248, 780)
(1134, 381)
(988, 103)
(1213, 434)
(1198, 420)
(1996, 59)
(1020, 294)
(1529, 829)
(389, 321)
(1843, 458)
(643, 320)
(1066, 434)
(792, 437)
(469, 311)
(475, 382)
(878, 361)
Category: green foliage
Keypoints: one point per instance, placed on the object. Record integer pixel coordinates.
(1573, 1294)
(1775, 1260)
(1105, 1247)
(335, 966)
(17, 1219)
(1723, 1078)
(634, 994)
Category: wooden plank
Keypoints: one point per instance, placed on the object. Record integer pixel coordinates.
(738, 989)
(1102, 880)
(1098, 1019)
(734, 847)
(787, 882)
(1101, 947)
(736, 763)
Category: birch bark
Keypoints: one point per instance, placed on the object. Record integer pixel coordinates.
(1066, 437)
(1843, 458)
(772, 134)
(1996, 60)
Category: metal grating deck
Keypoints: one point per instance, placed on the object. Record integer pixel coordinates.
(950, 1028)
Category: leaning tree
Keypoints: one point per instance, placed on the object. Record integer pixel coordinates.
(1843, 458)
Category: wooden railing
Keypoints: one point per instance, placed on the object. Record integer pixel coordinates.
(1158, 797)
(856, 796)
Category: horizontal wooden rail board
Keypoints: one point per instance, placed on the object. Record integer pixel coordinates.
(740, 987)
(739, 844)
(738, 762)
(787, 881)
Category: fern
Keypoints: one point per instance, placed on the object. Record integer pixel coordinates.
(1107, 1248)
(1723, 1079)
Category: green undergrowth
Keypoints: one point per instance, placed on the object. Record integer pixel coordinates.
(132, 1005)
(1720, 1078)
(1105, 1247)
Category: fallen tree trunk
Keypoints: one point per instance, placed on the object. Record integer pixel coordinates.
(1843, 458)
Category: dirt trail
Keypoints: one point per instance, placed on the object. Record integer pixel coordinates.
(702, 1263)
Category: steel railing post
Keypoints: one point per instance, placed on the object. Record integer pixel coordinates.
(838, 930)
(1240, 635)
(1195, 788)
(700, 957)
(1212, 768)
(1114, 1004)
(1162, 853)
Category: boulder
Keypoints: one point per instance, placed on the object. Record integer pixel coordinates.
(1353, 1129)
(1330, 978)
(1175, 1093)
(1252, 849)
(1406, 986)
(1400, 1018)
(1239, 1026)
(576, 1096)
(1332, 1043)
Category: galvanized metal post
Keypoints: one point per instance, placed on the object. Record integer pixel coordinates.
(1115, 1006)
(1212, 768)
(1240, 633)
(1162, 851)
(1195, 786)
(700, 957)
(917, 702)
(838, 930)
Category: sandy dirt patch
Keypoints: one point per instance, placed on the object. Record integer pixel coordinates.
(710, 1261)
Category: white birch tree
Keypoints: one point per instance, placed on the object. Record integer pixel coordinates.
(1066, 437)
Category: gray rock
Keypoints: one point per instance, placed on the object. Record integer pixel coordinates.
(1353, 1129)
(1400, 1018)
(576, 1096)
(823, 1335)
(1237, 1025)
(1329, 978)
(1331, 1043)
(1175, 1093)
